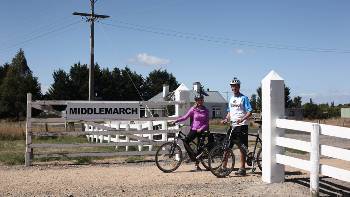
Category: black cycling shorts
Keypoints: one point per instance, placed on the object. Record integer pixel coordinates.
(240, 132)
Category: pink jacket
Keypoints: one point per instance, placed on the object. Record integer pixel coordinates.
(199, 116)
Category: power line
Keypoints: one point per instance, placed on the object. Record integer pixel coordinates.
(58, 29)
(35, 31)
(217, 40)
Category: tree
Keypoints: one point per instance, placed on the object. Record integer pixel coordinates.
(79, 80)
(253, 102)
(296, 102)
(132, 85)
(155, 81)
(259, 100)
(61, 87)
(287, 101)
(14, 87)
(3, 71)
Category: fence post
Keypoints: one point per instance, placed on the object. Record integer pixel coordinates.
(150, 127)
(109, 136)
(127, 139)
(272, 108)
(315, 160)
(139, 128)
(95, 137)
(101, 136)
(164, 127)
(29, 151)
(117, 127)
(86, 128)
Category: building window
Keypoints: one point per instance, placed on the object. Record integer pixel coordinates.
(216, 112)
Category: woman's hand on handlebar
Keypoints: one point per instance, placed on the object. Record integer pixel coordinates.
(173, 122)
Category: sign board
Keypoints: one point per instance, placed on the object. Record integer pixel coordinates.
(345, 112)
(102, 111)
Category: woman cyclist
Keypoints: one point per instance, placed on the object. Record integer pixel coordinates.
(199, 116)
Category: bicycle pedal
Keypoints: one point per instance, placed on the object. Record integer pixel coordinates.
(198, 156)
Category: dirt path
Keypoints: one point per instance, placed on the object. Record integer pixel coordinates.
(143, 179)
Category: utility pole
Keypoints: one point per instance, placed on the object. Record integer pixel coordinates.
(226, 95)
(92, 17)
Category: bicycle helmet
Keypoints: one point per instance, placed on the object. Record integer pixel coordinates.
(198, 96)
(235, 81)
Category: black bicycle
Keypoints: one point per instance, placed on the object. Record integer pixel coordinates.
(222, 159)
(169, 155)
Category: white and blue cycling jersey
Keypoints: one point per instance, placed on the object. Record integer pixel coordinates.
(238, 107)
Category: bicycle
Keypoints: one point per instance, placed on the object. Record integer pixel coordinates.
(222, 159)
(169, 155)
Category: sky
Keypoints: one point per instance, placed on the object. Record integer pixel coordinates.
(306, 42)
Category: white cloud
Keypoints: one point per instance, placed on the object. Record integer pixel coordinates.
(149, 60)
(239, 51)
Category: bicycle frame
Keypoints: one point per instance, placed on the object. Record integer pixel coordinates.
(200, 144)
(242, 146)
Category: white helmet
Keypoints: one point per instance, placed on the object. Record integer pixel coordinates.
(235, 81)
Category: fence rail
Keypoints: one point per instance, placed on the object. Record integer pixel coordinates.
(273, 130)
(100, 132)
(324, 150)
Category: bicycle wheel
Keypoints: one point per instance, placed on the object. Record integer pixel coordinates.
(168, 157)
(205, 159)
(221, 161)
(259, 159)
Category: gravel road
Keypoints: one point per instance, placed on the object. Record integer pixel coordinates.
(144, 179)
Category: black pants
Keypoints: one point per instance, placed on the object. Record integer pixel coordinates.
(192, 135)
(240, 133)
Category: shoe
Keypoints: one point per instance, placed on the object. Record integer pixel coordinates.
(241, 172)
(196, 169)
(224, 171)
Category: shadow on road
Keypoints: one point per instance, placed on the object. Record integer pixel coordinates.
(326, 184)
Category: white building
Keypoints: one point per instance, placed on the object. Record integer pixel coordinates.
(215, 102)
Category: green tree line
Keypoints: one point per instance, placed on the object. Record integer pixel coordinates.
(310, 110)
(16, 80)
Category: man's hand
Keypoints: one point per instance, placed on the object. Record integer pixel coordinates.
(224, 121)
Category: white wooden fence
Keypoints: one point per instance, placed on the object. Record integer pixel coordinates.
(273, 158)
(107, 132)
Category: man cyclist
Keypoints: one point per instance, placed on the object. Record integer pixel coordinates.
(239, 111)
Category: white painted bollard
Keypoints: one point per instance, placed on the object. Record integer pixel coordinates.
(315, 160)
(127, 128)
(139, 128)
(272, 108)
(117, 139)
(150, 127)
(164, 127)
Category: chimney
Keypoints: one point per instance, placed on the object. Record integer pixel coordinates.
(197, 86)
(165, 90)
